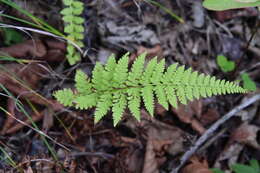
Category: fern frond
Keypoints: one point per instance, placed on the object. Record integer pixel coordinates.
(107, 75)
(121, 72)
(161, 96)
(147, 75)
(83, 84)
(103, 106)
(85, 101)
(73, 27)
(114, 87)
(119, 105)
(147, 95)
(136, 71)
(65, 97)
(158, 72)
(97, 77)
(134, 101)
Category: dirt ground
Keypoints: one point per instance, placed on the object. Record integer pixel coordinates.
(38, 134)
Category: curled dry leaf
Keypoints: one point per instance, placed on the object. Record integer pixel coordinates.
(197, 166)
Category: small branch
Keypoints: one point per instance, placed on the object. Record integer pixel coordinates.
(40, 32)
(213, 128)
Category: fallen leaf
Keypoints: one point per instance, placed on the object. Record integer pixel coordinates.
(246, 134)
(210, 116)
(197, 166)
(186, 114)
(34, 48)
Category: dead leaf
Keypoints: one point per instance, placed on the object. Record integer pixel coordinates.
(210, 116)
(150, 162)
(197, 166)
(134, 160)
(246, 134)
(151, 52)
(34, 48)
(29, 76)
(186, 114)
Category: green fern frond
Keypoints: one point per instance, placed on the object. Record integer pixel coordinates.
(148, 98)
(65, 97)
(103, 106)
(134, 101)
(121, 72)
(82, 83)
(113, 87)
(119, 105)
(73, 27)
(136, 71)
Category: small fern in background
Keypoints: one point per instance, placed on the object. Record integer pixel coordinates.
(73, 27)
(112, 86)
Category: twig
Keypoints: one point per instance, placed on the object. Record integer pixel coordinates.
(40, 32)
(213, 128)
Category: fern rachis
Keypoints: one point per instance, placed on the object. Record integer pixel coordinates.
(113, 87)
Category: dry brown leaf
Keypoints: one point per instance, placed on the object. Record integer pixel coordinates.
(30, 75)
(210, 116)
(50, 51)
(134, 160)
(246, 134)
(151, 52)
(23, 80)
(197, 166)
(186, 114)
(150, 162)
(34, 48)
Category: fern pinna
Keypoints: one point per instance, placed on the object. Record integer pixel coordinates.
(114, 87)
(73, 27)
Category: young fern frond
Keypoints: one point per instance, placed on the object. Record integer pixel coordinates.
(113, 87)
(73, 27)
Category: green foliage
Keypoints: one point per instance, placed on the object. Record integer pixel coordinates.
(220, 5)
(11, 36)
(253, 167)
(228, 66)
(248, 83)
(73, 27)
(224, 64)
(113, 87)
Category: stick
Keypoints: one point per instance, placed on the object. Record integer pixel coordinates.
(213, 128)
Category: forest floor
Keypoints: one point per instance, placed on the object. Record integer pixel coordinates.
(38, 134)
